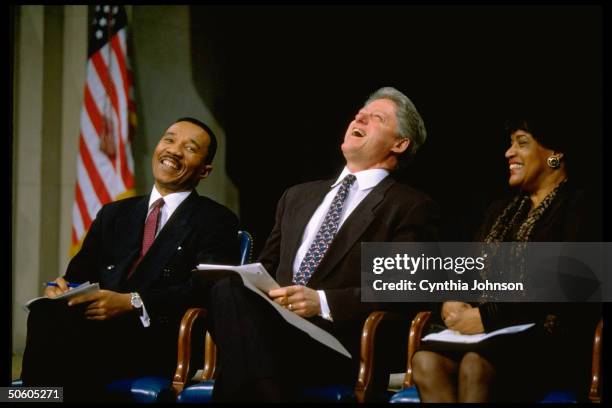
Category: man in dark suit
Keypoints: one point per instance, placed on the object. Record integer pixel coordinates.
(141, 250)
(314, 250)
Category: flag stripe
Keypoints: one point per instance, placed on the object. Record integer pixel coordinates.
(82, 207)
(92, 110)
(77, 224)
(109, 87)
(108, 69)
(92, 172)
(126, 174)
(92, 203)
(118, 72)
(117, 43)
(105, 165)
(96, 87)
(102, 71)
(115, 81)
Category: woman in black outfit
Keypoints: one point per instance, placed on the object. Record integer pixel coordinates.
(553, 353)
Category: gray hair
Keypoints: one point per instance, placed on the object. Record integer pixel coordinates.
(410, 125)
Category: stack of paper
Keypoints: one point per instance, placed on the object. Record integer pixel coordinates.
(83, 288)
(452, 336)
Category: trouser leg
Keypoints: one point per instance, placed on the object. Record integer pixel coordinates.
(50, 345)
(261, 356)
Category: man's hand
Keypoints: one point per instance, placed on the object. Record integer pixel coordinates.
(105, 304)
(301, 300)
(53, 291)
(466, 321)
(453, 307)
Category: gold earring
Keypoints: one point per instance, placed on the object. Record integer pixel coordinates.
(553, 162)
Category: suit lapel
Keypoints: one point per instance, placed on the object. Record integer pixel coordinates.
(351, 230)
(127, 242)
(165, 245)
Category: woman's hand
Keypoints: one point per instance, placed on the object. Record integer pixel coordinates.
(453, 307)
(466, 321)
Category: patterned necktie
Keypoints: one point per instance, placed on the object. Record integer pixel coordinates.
(150, 230)
(325, 235)
(151, 225)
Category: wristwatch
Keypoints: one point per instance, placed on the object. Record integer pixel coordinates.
(136, 301)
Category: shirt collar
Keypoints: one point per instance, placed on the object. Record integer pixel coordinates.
(366, 179)
(171, 201)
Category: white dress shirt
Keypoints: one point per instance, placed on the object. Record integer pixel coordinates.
(171, 203)
(365, 181)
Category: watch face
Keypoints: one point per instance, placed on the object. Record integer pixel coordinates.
(136, 301)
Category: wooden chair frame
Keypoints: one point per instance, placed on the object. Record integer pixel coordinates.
(366, 364)
(416, 332)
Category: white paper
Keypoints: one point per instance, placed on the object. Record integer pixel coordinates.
(452, 336)
(255, 273)
(258, 280)
(83, 288)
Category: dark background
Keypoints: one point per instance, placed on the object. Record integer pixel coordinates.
(287, 80)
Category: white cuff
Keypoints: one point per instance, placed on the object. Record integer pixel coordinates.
(144, 317)
(325, 312)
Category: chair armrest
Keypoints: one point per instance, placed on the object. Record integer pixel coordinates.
(596, 380)
(210, 348)
(210, 359)
(184, 348)
(414, 341)
(366, 363)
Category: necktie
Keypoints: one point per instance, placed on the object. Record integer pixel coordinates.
(150, 230)
(325, 235)
(151, 225)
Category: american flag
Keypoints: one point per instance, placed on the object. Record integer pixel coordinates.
(105, 166)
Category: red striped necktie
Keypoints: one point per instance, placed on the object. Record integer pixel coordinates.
(150, 230)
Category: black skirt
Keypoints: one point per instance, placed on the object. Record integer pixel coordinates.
(527, 364)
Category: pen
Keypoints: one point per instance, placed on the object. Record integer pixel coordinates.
(70, 285)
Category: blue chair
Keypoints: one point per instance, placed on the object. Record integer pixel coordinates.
(161, 389)
(245, 241)
(410, 394)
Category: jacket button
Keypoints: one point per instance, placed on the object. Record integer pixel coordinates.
(109, 267)
(166, 272)
(163, 319)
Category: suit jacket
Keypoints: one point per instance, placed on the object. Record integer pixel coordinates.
(199, 231)
(390, 212)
